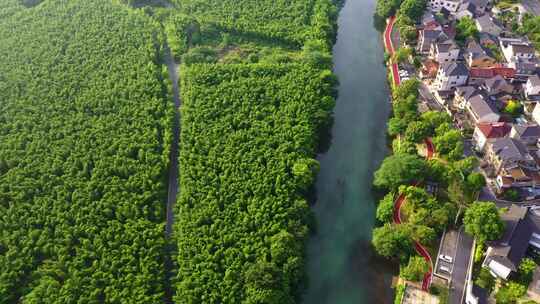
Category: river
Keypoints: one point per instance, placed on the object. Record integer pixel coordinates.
(342, 268)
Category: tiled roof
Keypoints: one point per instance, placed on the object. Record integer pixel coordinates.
(510, 149)
(481, 107)
(530, 130)
(494, 130)
(455, 69)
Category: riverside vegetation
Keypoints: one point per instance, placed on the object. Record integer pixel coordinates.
(85, 130)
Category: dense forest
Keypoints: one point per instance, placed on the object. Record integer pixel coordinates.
(249, 138)
(291, 22)
(84, 136)
(85, 129)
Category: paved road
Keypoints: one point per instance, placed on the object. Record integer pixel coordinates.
(428, 97)
(461, 264)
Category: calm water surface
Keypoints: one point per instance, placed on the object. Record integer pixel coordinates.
(342, 268)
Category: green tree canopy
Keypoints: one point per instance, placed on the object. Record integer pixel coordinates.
(482, 220)
(399, 170)
(392, 240)
(415, 269)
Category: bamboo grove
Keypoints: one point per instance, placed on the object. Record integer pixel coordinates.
(85, 128)
(84, 136)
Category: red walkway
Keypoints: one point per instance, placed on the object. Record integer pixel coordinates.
(397, 219)
(390, 48)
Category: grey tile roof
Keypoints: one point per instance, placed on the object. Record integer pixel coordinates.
(497, 83)
(530, 130)
(521, 48)
(535, 80)
(467, 6)
(467, 91)
(520, 224)
(479, 3)
(482, 107)
(455, 69)
(510, 149)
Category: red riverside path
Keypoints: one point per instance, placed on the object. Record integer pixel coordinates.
(430, 151)
(390, 49)
(397, 219)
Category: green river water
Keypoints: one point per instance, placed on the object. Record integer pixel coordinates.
(342, 268)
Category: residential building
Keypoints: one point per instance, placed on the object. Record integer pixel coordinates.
(463, 94)
(523, 67)
(486, 24)
(484, 132)
(451, 75)
(507, 153)
(522, 230)
(465, 10)
(427, 37)
(516, 48)
(446, 51)
(478, 57)
(532, 88)
(536, 113)
(480, 5)
(479, 76)
(450, 5)
(487, 40)
(497, 85)
(481, 110)
(529, 134)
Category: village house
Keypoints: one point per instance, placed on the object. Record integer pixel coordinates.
(508, 152)
(478, 76)
(516, 47)
(463, 94)
(488, 40)
(450, 5)
(446, 51)
(480, 5)
(481, 110)
(536, 113)
(522, 230)
(451, 75)
(486, 24)
(519, 54)
(465, 9)
(427, 37)
(477, 57)
(529, 134)
(497, 85)
(484, 132)
(531, 88)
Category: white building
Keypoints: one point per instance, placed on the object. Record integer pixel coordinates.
(450, 5)
(451, 75)
(446, 51)
(516, 48)
(532, 88)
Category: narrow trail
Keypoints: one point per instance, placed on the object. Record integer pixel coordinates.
(173, 69)
(400, 201)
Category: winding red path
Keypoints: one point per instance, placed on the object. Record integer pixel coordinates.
(390, 49)
(421, 250)
(426, 282)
